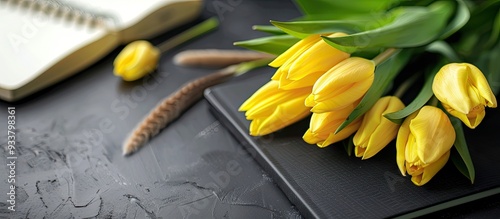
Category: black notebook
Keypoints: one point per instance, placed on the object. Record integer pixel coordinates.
(327, 183)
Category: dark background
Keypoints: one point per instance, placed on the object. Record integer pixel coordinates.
(69, 143)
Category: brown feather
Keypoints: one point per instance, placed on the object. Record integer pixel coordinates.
(171, 107)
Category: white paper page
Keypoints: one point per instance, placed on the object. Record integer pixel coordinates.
(31, 42)
(124, 13)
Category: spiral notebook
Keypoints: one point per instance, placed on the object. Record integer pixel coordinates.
(327, 183)
(45, 41)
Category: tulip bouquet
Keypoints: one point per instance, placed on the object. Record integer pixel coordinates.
(339, 63)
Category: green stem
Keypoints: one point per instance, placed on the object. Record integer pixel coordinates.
(384, 55)
(434, 101)
(193, 32)
(405, 86)
(247, 66)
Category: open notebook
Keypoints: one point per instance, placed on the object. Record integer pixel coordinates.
(326, 183)
(45, 41)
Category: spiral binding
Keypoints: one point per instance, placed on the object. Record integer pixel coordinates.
(64, 10)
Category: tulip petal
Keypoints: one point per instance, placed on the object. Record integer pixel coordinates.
(464, 91)
(342, 76)
(318, 121)
(376, 131)
(322, 127)
(411, 150)
(345, 133)
(254, 126)
(284, 69)
(303, 63)
(431, 170)
(124, 57)
(478, 80)
(433, 132)
(451, 87)
(371, 121)
(415, 169)
(318, 58)
(259, 95)
(129, 64)
(285, 114)
(295, 50)
(329, 121)
(266, 107)
(381, 137)
(277, 75)
(309, 102)
(471, 120)
(136, 60)
(402, 142)
(355, 92)
(287, 84)
(311, 138)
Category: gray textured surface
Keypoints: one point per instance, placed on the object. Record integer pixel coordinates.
(69, 143)
(70, 135)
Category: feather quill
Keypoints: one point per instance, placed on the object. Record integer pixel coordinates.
(171, 107)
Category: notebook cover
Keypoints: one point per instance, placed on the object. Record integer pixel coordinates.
(44, 49)
(327, 183)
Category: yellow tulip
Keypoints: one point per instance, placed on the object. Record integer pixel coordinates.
(376, 131)
(342, 85)
(322, 127)
(464, 92)
(136, 60)
(423, 144)
(303, 63)
(272, 109)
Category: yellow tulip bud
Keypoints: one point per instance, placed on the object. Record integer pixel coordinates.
(303, 63)
(136, 60)
(272, 109)
(423, 144)
(323, 126)
(464, 92)
(296, 50)
(376, 131)
(342, 85)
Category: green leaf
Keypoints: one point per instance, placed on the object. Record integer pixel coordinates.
(481, 16)
(493, 74)
(417, 2)
(488, 63)
(338, 9)
(411, 27)
(368, 53)
(495, 31)
(347, 49)
(493, 71)
(349, 145)
(444, 49)
(421, 99)
(302, 29)
(384, 74)
(272, 44)
(459, 163)
(268, 29)
(417, 103)
(461, 18)
(463, 150)
(468, 44)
